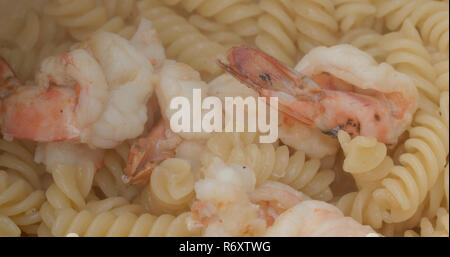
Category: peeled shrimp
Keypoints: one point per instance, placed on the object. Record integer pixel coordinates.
(175, 79)
(333, 88)
(274, 198)
(96, 94)
(222, 206)
(317, 219)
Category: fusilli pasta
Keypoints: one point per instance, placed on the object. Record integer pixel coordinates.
(88, 224)
(431, 17)
(316, 23)
(171, 188)
(277, 31)
(20, 202)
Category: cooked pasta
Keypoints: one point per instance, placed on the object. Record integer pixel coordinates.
(71, 186)
(238, 14)
(108, 180)
(315, 23)
(183, 41)
(406, 52)
(223, 184)
(19, 202)
(88, 224)
(171, 188)
(353, 13)
(274, 163)
(365, 159)
(216, 32)
(82, 18)
(367, 40)
(277, 31)
(18, 160)
(431, 18)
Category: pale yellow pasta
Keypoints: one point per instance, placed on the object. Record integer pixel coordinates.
(88, 224)
(315, 23)
(431, 18)
(171, 188)
(407, 53)
(17, 158)
(8, 228)
(183, 41)
(216, 32)
(400, 190)
(278, 33)
(367, 40)
(71, 186)
(275, 163)
(20, 202)
(240, 15)
(365, 159)
(437, 227)
(108, 179)
(353, 13)
(84, 17)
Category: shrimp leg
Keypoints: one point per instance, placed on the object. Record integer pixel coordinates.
(149, 151)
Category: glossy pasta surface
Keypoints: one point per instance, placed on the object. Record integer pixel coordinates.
(193, 181)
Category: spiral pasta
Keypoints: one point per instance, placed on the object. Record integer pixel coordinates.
(108, 179)
(431, 18)
(407, 54)
(353, 13)
(17, 159)
(277, 31)
(437, 227)
(82, 18)
(88, 224)
(238, 14)
(215, 31)
(20, 202)
(367, 40)
(275, 163)
(365, 159)
(171, 188)
(114, 205)
(72, 184)
(315, 23)
(183, 41)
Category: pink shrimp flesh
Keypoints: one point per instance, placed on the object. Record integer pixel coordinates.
(320, 101)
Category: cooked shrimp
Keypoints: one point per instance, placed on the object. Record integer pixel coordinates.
(175, 79)
(333, 88)
(96, 94)
(149, 151)
(57, 108)
(147, 42)
(274, 198)
(222, 207)
(317, 219)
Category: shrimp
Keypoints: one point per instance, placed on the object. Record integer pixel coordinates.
(336, 88)
(95, 94)
(174, 79)
(222, 206)
(274, 198)
(317, 219)
(53, 110)
(289, 212)
(148, 152)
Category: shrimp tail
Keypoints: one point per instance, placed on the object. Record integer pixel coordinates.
(8, 79)
(148, 152)
(270, 78)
